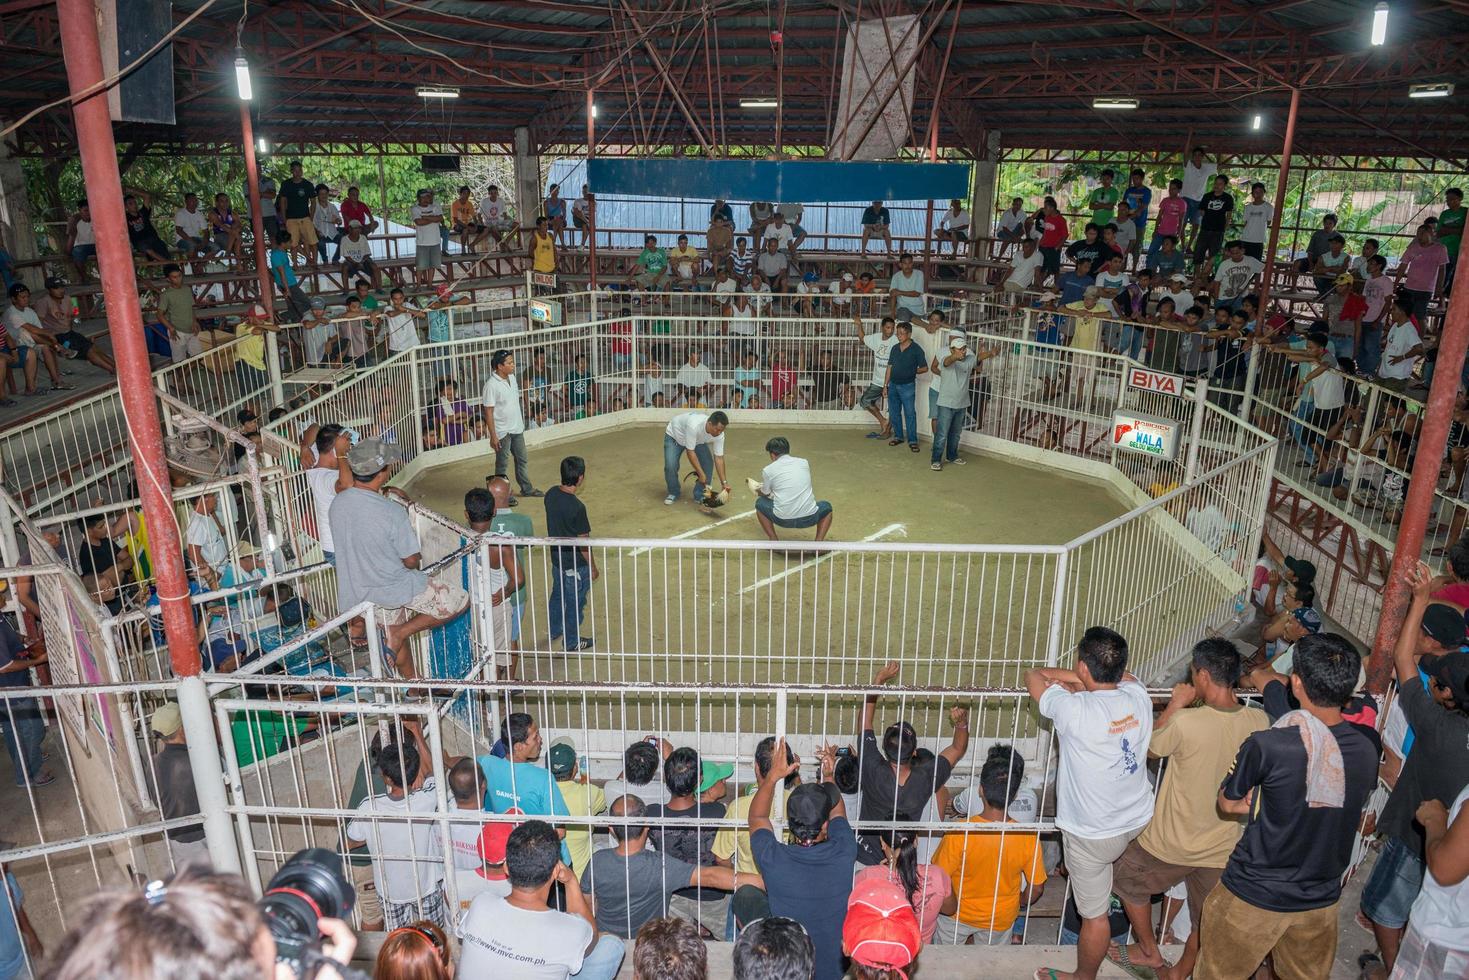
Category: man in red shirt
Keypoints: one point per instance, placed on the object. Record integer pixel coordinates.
(1053, 237)
(356, 209)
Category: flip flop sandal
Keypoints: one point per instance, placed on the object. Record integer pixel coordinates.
(895, 442)
(1120, 956)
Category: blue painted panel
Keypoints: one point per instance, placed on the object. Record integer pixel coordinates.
(780, 180)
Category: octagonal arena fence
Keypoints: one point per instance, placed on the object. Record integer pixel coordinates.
(706, 643)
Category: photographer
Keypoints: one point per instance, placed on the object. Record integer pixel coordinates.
(200, 924)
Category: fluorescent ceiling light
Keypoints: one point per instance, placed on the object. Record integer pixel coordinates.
(764, 103)
(262, 144)
(594, 111)
(242, 76)
(1433, 90)
(437, 92)
(1257, 121)
(1114, 103)
(1379, 24)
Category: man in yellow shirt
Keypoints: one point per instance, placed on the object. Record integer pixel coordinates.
(250, 353)
(992, 871)
(582, 800)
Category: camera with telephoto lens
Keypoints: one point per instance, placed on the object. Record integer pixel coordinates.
(308, 887)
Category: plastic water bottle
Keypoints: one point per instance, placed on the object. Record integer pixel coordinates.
(1240, 605)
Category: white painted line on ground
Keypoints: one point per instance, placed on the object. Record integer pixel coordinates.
(899, 529)
(697, 531)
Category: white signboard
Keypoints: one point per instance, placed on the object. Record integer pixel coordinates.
(547, 279)
(545, 311)
(1167, 384)
(1146, 435)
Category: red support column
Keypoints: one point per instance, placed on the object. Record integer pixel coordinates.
(1280, 182)
(591, 211)
(257, 223)
(1433, 436)
(83, 55)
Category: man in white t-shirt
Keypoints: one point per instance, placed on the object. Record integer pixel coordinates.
(505, 420)
(1011, 226)
(881, 342)
(401, 319)
(466, 795)
(784, 497)
(953, 226)
(192, 229)
(698, 436)
(326, 218)
(1022, 272)
(1198, 175)
(407, 865)
(1402, 346)
(1103, 720)
(906, 287)
(355, 251)
(841, 294)
(427, 219)
(520, 935)
(693, 380)
(1235, 275)
(780, 230)
(207, 549)
(495, 211)
(1257, 215)
(327, 478)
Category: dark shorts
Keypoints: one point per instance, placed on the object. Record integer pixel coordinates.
(1051, 260)
(1138, 876)
(871, 395)
(72, 340)
(767, 507)
(1255, 250)
(81, 253)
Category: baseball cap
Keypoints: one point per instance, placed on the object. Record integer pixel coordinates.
(493, 837)
(258, 311)
(810, 804)
(166, 720)
(55, 282)
(1304, 571)
(1345, 279)
(246, 415)
(809, 277)
(317, 303)
(1049, 295)
(354, 223)
(713, 773)
(1444, 623)
(1308, 617)
(881, 930)
(248, 550)
(1451, 670)
(1178, 277)
(371, 455)
(957, 343)
(561, 757)
(443, 291)
(846, 277)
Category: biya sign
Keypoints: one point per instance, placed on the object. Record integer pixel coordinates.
(1144, 434)
(1167, 384)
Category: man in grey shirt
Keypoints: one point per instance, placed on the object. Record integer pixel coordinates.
(631, 884)
(378, 556)
(953, 381)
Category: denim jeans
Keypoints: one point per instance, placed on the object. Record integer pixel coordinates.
(673, 455)
(514, 446)
(568, 604)
(604, 961)
(24, 729)
(1131, 344)
(901, 407)
(1369, 358)
(1303, 436)
(946, 436)
(1343, 347)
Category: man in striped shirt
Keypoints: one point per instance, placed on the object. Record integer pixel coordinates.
(741, 259)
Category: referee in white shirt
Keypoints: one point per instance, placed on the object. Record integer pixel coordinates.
(785, 498)
(700, 437)
(505, 420)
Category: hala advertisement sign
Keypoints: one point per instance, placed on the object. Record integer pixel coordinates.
(1145, 435)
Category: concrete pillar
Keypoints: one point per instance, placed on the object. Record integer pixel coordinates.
(16, 221)
(986, 185)
(527, 178)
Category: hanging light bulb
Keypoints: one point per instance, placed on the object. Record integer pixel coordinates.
(1379, 24)
(242, 76)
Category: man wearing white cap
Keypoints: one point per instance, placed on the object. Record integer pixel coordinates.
(174, 787)
(953, 387)
(841, 294)
(356, 252)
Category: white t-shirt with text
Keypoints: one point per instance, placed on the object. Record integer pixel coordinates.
(1102, 787)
